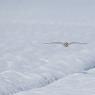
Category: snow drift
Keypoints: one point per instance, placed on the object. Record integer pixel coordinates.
(26, 63)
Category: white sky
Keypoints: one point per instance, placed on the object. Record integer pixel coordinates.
(40, 9)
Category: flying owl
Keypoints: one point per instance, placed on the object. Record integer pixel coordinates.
(65, 44)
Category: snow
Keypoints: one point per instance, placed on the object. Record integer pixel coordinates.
(29, 64)
(75, 84)
(30, 67)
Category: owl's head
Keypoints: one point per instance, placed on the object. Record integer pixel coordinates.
(66, 44)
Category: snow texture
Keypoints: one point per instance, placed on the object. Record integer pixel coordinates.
(30, 67)
(26, 64)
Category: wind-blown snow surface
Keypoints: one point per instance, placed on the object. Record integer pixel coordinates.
(27, 63)
(75, 84)
(30, 67)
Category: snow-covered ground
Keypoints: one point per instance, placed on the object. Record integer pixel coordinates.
(75, 84)
(26, 63)
(30, 67)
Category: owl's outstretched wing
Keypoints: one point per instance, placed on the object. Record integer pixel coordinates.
(77, 43)
(55, 43)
